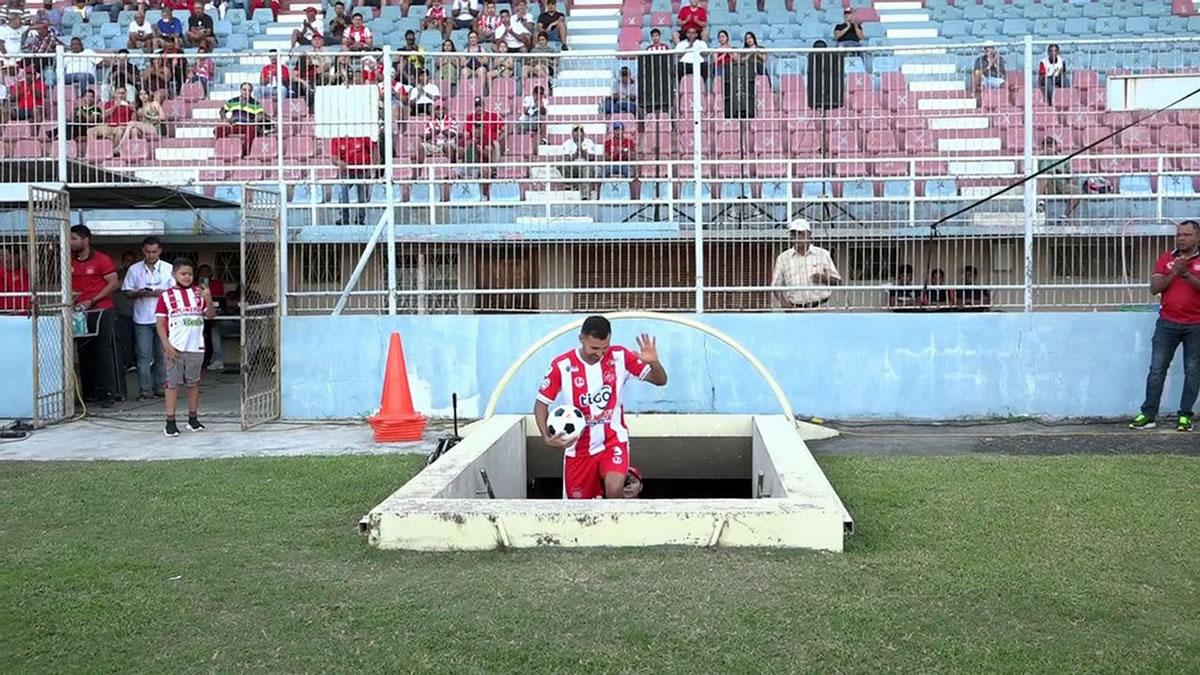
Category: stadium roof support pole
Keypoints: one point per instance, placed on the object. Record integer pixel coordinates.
(282, 229)
(1030, 186)
(736, 346)
(60, 95)
(389, 180)
(698, 184)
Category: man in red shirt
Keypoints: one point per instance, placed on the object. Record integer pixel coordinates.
(118, 113)
(693, 16)
(619, 149)
(93, 281)
(272, 78)
(14, 283)
(353, 158)
(483, 135)
(30, 95)
(1177, 278)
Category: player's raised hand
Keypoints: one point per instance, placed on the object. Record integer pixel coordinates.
(648, 348)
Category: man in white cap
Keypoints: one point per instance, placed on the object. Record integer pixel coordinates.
(804, 265)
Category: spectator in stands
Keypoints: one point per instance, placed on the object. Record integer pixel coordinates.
(52, 15)
(79, 67)
(312, 71)
(1058, 182)
(343, 71)
(113, 9)
(339, 23)
(1176, 277)
(692, 16)
(414, 58)
(440, 137)
(435, 18)
(358, 36)
(619, 150)
(972, 295)
(477, 64)
(502, 66)
(93, 281)
(1052, 73)
(118, 113)
(202, 68)
(516, 36)
(523, 14)
(122, 73)
(374, 4)
(850, 33)
(754, 54)
(141, 33)
(242, 116)
(693, 58)
(803, 265)
(308, 28)
(553, 24)
(14, 279)
(158, 75)
(354, 158)
(483, 138)
(541, 66)
(41, 40)
(168, 31)
(29, 93)
(148, 120)
(533, 114)
(423, 95)
(656, 43)
(200, 28)
(579, 151)
(937, 297)
(274, 79)
(273, 5)
(11, 37)
(989, 71)
(87, 115)
(487, 22)
(144, 282)
(405, 4)
(904, 295)
(6, 104)
(623, 99)
(448, 66)
(463, 13)
(724, 53)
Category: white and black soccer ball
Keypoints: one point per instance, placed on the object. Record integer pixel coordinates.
(566, 420)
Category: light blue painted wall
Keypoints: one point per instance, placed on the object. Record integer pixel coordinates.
(938, 366)
(16, 367)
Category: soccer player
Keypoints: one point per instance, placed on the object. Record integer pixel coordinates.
(593, 377)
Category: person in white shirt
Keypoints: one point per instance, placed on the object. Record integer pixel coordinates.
(579, 151)
(80, 66)
(144, 282)
(463, 13)
(141, 33)
(423, 95)
(693, 55)
(11, 35)
(803, 265)
(516, 36)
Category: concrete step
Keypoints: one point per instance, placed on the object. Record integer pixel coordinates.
(937, 85)
(968, 145)
(582, 91)
(195, 132)
(168, 176)
(900, 6)
(267, 44)
(904, 18)
(543, 196)
(570, 109)
(595, 3)
(944, 123)
(584, 74)
(207, 113)
(183, 154)
(285, 29)
(920, 51)
(990, 167)
(593, 40)
(947, 104)
(589, 12)
(595, 23)
(595, 130)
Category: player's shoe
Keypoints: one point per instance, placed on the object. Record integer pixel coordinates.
(194, 424)
(1142, 422)
(1184, 423)
(170, 429)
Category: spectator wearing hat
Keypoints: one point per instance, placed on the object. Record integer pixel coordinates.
(309, 29)
(633, 483)
(619, 150)
(624, 95)
(803, 265)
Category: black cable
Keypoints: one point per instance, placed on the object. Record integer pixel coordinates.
(983, 200)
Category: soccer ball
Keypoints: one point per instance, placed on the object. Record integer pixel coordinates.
(567, 420)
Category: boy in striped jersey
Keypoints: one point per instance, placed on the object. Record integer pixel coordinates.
(180, 314)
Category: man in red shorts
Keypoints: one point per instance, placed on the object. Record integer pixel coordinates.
(593, 377)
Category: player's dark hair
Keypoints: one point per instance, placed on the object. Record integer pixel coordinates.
(972, 269)
(1193, 224)
(905, 269)
(597, 327)
(81, 231)
(183, 261)
(151, 241)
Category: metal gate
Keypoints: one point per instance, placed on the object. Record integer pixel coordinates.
(260, 306)
(48, 257)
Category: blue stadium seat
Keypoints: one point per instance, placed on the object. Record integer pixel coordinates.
(688, 191)
(109, 30)
(1078, 26)
(986, 28)
(898, 189)
(945, 187)
(1178, 185)
(1047, 27)
(1181, 200)
(858, 189)
(124, 18)
(505, 192)
(1096, 10)
(736, 191)
(776, 191)
(236, 16)
(223, 29)
(391, 12)
(1109, 25)
(1136, 185)
(421, 194)
(238, 42)
(977, 12)
(308, 194)
(229, 193)
(613, 190)
(1016, 27)
(465, 192)
(1138, 25)
(814, 189)
(953, 29)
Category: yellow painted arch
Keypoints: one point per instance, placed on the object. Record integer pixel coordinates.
(652, 316)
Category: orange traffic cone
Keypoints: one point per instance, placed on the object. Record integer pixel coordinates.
(396, 419)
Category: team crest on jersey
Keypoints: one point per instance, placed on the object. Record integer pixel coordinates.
(610, 377)
(599, 398)
(579, 382)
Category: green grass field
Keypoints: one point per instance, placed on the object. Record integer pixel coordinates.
(959, 564)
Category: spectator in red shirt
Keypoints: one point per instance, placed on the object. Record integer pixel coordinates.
(619, 149)
(14, 279)
(693, 16)
(1177, 278)
(273, 5)
(269, 82)
(93, 281)
(118, 113)
(353, 158)
(30, 95)
(358, 37)
(483, 135)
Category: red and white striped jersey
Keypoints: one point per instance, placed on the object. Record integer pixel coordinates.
(594, 388)
(184, 309)
(488, 23)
